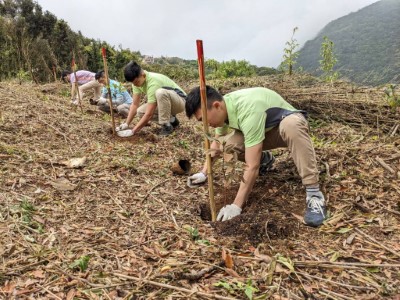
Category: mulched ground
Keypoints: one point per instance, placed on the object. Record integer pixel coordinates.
(120, 225)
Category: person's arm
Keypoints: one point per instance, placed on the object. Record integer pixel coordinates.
(214, 154)
(252, 157)
(150, 109)
(133, 109)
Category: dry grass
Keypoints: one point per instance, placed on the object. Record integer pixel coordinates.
(141, 228)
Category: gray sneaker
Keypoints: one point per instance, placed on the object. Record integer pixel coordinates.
(266, 162)
(166, 129)
(174, 121)
(316, 210)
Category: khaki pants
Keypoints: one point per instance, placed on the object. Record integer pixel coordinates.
(94, 85)
(292, 133)
(122, 109)
(169, 104)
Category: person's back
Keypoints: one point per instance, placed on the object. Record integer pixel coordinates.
(121, 99)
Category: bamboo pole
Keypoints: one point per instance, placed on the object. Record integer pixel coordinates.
(76, 81)
(200, 61)
(54, 73)
(103, 51)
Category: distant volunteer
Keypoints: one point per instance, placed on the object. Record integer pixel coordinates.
(165, 99)
(121, 99)
(261, 120)
(85, 81)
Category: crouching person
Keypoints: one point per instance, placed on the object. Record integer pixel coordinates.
(261, 120)
(165, 99)
(121, 100)
(86, 81)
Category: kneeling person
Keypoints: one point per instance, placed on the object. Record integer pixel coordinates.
(165, 99)
(262, 120)
(121, 99)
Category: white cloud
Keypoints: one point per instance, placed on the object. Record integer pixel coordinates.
(254, 30)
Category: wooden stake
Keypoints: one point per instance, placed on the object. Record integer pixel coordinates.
(54, 73)
(76, 81)
(200, 61)
(103, 51)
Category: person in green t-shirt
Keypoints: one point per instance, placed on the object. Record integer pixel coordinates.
(165, 99)
(261, 120)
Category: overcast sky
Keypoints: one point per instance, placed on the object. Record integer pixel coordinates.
(254, 30)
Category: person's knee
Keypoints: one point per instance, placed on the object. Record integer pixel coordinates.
(123, 110)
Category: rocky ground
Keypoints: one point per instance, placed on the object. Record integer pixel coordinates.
(86, 215)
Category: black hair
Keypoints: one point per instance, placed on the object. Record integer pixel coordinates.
(193, 99)
(99, 74)
(64, 74)
(132, 71)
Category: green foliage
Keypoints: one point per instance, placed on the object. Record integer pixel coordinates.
(233, 68)
(22, 76)
(82, 263)
(392, 97)
(194, 232)
(328, 60)
(37, 43)
(365, 44)
(27, 210)
(290, 54)
(238, 286)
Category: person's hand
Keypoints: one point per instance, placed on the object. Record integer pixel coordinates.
(125, 133)
(198, 178)
(121, 127)
(228, 212)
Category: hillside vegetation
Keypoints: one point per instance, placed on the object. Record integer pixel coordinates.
(367, 45)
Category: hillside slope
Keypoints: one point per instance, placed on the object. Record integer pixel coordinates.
(367, 44)
(145, 234)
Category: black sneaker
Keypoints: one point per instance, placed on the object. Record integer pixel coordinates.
(174, 121)
(266, 162)
(166, 129)
(316, 210)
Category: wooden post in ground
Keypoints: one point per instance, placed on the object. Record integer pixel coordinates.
(76, 81)
(200, 61)
(54, 73)
(103, 51)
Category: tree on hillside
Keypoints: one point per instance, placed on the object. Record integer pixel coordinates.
(234, 68)
(212, 65)
(290, 54)
(328, 60)
(32, 43)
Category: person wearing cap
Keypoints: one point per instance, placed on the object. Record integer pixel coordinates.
(85, 80)
(165, 99)
(121, 100)
(261, 120)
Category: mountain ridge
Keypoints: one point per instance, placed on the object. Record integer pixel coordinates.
(365, 44)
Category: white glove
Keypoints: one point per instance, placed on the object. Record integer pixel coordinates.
(121, 127)
(125, 133)
(198, 178)
(228, 212)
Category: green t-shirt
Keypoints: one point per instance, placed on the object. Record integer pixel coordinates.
(154, 81)
(253, 111)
